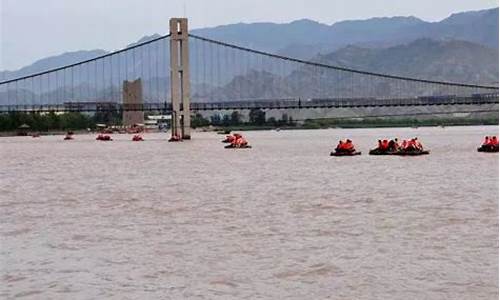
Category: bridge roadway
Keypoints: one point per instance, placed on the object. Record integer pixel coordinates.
(264, 104)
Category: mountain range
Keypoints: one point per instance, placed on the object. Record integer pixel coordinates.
(460, 48)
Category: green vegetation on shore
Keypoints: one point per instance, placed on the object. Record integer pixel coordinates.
(45, 122)
(52, 121)
(396, 122)
(257, 121)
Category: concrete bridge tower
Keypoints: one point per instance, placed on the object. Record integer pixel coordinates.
(179, 78)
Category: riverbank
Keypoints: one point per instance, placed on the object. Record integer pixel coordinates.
(315, 124)
(366, 123)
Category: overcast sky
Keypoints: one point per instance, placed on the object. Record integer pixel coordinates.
(33, 29)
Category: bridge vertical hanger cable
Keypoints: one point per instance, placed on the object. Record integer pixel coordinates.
(56, 88)
(103, 77)
(217, 71)
(64, 86)
(157, 69)
(166, 68)
(141, 60)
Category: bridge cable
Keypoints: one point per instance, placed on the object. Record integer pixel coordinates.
(310, 63)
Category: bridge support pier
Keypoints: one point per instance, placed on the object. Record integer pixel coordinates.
(179, 78)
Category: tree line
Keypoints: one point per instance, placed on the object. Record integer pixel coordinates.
(256, 117)
(52, 121)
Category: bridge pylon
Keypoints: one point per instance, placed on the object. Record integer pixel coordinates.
(179, 78)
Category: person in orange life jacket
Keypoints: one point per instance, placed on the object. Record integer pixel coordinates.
(418, 145)
(234, 139)
(412, 145)
(385, 145)
(493, 141)
(380, 145)
(348, 146)
(486, 140)
(396, 144)
(393, 145)
(404, 144)
(340, 146)
(241, 142)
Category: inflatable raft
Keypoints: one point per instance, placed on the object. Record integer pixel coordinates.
(400, 152)
(228, 140)
(411, 152)
(237, 147)
(333, 153)
(137, 138)
(104, 137)
(377, 151)
(488, 148)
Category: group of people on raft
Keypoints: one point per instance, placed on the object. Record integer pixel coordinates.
(236, 140)
(385, 147)
(346, 147)
(411, 145)
(103, 137)
(490, 144)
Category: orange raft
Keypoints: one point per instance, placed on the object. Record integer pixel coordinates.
(137, 138)
(103, 137)
(236, 141)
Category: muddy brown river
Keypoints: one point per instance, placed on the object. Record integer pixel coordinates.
(84, 219)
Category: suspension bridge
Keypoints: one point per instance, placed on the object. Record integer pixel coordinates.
(180, 73)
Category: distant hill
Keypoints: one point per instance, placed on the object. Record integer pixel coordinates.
(298, 38)
(450, 60)
(306, 38)
(461, 48)
(456, 61)
(53, 62)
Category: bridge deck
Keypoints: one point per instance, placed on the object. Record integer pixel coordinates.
(264, 104)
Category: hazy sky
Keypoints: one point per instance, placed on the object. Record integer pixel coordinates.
(33, 29)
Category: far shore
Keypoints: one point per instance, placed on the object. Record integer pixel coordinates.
(227, 129)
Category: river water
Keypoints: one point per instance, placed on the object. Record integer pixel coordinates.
(84, 219)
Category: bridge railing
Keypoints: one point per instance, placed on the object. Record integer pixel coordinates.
(265, 104)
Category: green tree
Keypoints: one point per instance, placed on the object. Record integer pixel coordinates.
(215, 120)
(226, 120)
(257, 116)
(235, 118)
(284, 119)
(198, 121)
(272, 121)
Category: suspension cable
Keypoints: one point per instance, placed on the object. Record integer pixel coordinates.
(310, 63)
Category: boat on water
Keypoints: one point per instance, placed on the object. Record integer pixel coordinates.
(137, 138)
(378, 151)
(488, 148)
(103, 137)
(232, 146)
(411, 152)
(342, 153)
(69, 136)
(401, 152)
